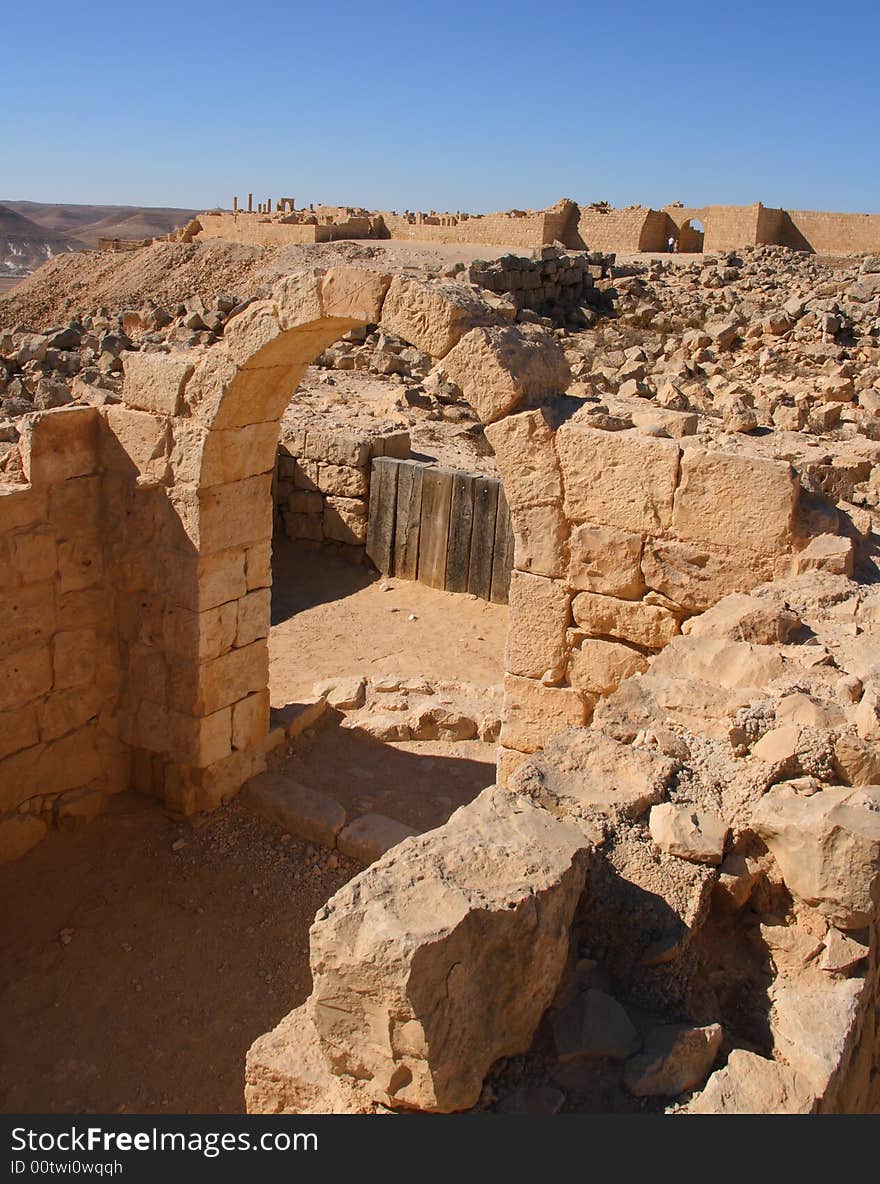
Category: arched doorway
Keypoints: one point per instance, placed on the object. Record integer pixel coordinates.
(691, 236)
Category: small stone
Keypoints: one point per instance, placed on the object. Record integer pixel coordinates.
(688, 833)
(676, 1058)
(66, 936)
(178, 844)
(842, 952)
(594, 1025)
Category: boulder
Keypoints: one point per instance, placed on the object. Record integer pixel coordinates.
(411, 961)
(676, 1058)
(827, 846)
(749, 1084)
(688, 833)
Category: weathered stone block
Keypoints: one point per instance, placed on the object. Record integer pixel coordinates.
(526, 458)
(608, 616)
(743, 502)
(432, 316)
(354, 293)
(250, 720)
(620, 479)
(606, 561)
(222, 681)
(73, 658)
(343, 481)
(155, 381)
(410, 991)
(253, 616)
(539, 617)
(540, 540)
(25, 675)
(134, 440)
(300, 810)
(345, 520)
(235, 514)
(599, 667)
(497, 367)
(368, 837)
(58, 444)
(533, 712)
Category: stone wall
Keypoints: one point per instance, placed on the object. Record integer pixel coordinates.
(513, 230)
(60, 752)
(257, 230)
(322, 488)
(620, 537)
(602, 228)
(558, 279)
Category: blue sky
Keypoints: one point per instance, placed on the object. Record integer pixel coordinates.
(473, 106)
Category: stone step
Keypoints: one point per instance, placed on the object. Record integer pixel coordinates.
(307, 813)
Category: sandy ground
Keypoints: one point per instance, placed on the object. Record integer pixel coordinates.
(135, 976)
(418, 782)
(331, 618)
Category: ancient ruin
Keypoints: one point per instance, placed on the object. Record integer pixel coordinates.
(666, 897)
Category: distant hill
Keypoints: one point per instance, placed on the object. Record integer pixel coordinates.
(89, 223)
(25, 244)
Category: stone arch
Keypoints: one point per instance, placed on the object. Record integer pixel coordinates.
(223, 410)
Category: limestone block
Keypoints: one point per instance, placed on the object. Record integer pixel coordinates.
(204, 740)
(749, 1084)
(599, 667)
(733, 664)
(233, 454)
(258, 566)
(64, 711)
(198, 637)
(745, 618)
(329, 446)
(250, 720)
(659, 420)
(410, 962)
(815, 1025)
(286, 1073)
(620, 479)
(77, 505)
(526, 458)
(155, 381)
(594, 1025)
(304, 526)
(827, 847)
(508, 760)
(432, 316)
(189, 790)
(303, 501)
(222, 681)
(606, 561)
(345, 520)
(608, 616)
(73, 658)
(695, 576)
(18, 834)
(539, 617)
(343, 481)
(826, 552)
(247, 333)
(24, 675)
(744, 502)
(58, 444)
(676, 1058)
(842, 953)
(534, 712)
(18, 729)
(234, 514)
(583, 772)
(345, 694)
(540, 536)
(33, 554)
(67, 763)
(354, 293)
(298, 809)
(27, 615)
(253, 616)
(297, 301)
(368, 837)
(221, 577)
(80, 564)
(686, 832)
(21, 505)
(497, 367)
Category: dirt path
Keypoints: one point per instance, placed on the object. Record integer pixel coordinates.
(331, 618)
(135, 976)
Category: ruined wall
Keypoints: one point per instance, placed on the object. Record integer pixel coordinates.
(620, 537)
(59, 662)
(322, 488)
(507, 230)
(258, 231)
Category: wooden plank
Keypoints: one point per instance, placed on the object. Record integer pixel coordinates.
(502, 560)
(461, 521)
(434, 529)
(380, 524)
(483, 536)
(409, 511)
